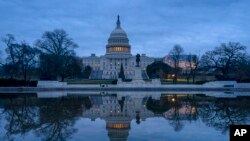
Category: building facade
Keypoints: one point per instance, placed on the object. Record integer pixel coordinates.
(118, 52)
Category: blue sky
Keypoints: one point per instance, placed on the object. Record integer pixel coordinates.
(153, 26)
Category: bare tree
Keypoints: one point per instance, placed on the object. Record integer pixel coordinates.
(11, 60)
(175, 56)
(188, 65)
(192, 64)
(9, 41)
(58, 45)
(225, 58)
(21, 57)
(27, 59)
(56, 42)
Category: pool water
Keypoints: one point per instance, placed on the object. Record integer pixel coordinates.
(120, 116)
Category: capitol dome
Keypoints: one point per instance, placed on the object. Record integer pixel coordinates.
(118, 31)
(118, 41)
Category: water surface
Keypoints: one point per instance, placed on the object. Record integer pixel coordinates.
(121, 116)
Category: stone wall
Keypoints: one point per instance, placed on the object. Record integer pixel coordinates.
(51, 84)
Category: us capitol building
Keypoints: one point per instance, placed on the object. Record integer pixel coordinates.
(118, 52)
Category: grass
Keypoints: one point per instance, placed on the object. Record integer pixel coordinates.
(179, 81)
(87, 81)
(109, 81)
(183, 80)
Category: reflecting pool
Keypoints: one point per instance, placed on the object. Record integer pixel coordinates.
(121, 116)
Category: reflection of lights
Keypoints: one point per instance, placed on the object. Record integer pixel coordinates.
(173, 99)
(193, 110)
(118, 126)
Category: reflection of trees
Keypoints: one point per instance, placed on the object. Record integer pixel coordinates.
(51, 119)
(173, 114)
(191, 104)
(57, 117)
(175, 109)
(217, 113)
(20, 114)
(224, 112)
(170, 106)
(157, 106)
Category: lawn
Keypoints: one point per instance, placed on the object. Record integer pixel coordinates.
(89, 81)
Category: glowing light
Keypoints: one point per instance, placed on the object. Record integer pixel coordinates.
(118, 126)
(118, 49)
(173, 99)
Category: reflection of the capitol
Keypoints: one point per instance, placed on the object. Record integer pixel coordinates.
(118, 110)
(45, 111)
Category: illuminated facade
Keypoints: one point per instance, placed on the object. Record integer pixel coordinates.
(118, 52)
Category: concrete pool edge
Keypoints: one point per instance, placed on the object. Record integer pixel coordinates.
(135, 86)
(161, 88)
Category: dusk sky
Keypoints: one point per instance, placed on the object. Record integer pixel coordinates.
(153, 26)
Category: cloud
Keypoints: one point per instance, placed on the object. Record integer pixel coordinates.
(153, 27)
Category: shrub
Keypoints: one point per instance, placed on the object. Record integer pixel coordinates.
(17, 83)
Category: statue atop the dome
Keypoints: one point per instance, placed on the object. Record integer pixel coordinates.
(118, 23)
(138, 60)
